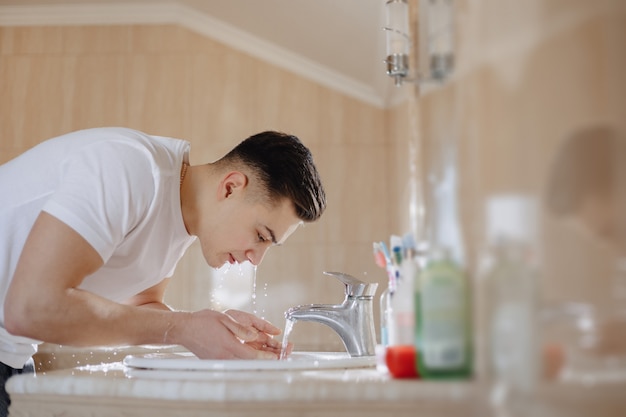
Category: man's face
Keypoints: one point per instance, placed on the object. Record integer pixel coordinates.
(244, 230)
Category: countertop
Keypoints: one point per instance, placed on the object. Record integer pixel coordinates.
(117, 380)
(110, 389)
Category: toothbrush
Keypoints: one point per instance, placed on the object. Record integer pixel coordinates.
(383, 247)
(408, 242)
(396, 247)
(379, 256)
(391, 270)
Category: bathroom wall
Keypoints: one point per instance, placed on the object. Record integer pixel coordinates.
(170, 81)
(529, 76)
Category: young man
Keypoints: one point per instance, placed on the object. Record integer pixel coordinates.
(586, 189)
(93, 222)
(586, 184)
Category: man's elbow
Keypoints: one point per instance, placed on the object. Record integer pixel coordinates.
(18, 321)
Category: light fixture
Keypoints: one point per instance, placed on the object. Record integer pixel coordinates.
(398, 39)
(435, 58)
(439, 37)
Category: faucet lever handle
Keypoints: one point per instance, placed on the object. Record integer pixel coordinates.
(354, 286)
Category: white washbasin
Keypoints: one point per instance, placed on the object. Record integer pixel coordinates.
(187, 361)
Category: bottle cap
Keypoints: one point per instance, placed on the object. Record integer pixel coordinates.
(512, 217)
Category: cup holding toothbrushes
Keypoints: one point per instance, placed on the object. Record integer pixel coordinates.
(397, 354)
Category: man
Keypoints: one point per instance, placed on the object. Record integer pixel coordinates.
(586, 189)
(93, 222)
(586, 184)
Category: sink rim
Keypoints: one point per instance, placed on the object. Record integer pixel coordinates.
(299, 360)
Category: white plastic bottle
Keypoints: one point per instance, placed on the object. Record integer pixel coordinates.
(508, 294)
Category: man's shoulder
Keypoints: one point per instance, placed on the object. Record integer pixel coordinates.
(112, 141)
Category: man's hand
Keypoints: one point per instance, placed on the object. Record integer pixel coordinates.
(232, 335)
(265, 341)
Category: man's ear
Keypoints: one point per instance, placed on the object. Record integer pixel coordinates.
(231, 183)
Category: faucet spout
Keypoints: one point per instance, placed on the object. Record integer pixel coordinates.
(352, 320)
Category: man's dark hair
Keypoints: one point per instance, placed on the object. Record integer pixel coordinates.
(284, 167)
(587, 165)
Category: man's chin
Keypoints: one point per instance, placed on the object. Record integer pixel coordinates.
(220, 266)
(225, 265)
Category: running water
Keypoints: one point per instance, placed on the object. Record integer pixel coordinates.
(255, 296)
(264, 301)
(217, 289)
(288, 327)
(254, 290)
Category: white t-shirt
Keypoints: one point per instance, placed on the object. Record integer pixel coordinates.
(119, 189)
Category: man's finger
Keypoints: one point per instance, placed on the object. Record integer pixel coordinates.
(241, 332)
(259, 323)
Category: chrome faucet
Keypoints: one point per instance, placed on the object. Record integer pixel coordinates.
(353, 320)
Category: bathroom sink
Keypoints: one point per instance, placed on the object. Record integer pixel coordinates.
(187, 361)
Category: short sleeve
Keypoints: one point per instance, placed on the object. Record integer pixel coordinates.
(105, 190)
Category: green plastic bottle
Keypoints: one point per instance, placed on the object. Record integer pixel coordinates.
(442, 319)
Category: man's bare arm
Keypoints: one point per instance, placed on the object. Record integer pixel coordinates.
(153, 297)
(45, 303)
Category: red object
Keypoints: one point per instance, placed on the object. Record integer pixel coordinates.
(402, 361)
